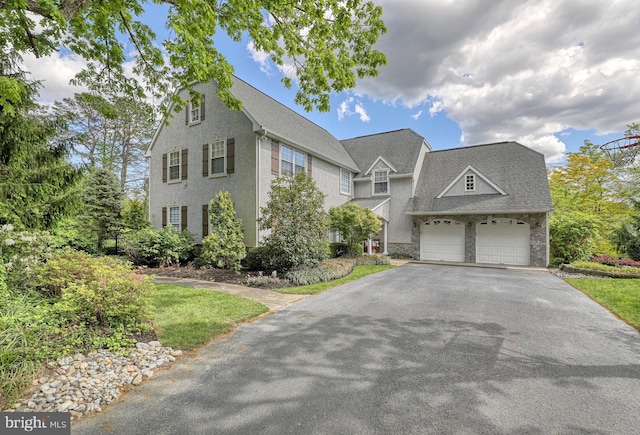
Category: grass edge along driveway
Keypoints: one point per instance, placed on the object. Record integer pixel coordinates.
(186, 318)
(620, 296)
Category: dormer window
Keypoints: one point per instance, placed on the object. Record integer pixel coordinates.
(470, 183)
(381, 182)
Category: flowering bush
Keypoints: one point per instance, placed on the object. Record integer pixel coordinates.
(98, 292)
(611, 261)
(20, 253)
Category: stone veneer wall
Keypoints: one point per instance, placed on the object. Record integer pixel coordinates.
(538, 241)
(402, 249)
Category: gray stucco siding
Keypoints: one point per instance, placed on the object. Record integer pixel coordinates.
(481, 186)
(399, 222)
(198, 190)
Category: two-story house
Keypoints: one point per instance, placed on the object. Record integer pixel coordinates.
(211, 148)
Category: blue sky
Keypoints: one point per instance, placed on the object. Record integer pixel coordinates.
(547, 73)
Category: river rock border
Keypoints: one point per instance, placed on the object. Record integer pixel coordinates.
(82, 384)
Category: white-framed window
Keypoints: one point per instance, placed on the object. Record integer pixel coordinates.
(174, 165)
(381, 182)
(174, 217)
(217, 157)
(469, 183)
(194, 113)
(345, 182)
(292, 162)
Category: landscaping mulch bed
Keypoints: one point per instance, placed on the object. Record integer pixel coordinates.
(218, 275)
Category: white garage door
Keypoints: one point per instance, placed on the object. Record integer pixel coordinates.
(442, 239)
(503, 241)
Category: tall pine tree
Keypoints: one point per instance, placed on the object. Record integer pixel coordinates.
(38, 186)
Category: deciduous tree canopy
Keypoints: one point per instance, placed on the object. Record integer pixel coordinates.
(327, 43)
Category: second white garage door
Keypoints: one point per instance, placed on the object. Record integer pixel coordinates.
(503, 241)
(442, 239)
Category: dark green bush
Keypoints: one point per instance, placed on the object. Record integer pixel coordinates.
(338, 249)
(633, 249)
(153, 247)
(255, 259)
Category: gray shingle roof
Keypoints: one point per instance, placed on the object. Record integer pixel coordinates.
(400, 148)
(288, 125)
(516, 169)
(370, 203)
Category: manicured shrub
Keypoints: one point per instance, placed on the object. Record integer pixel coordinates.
(224, 246)
(152, 247)
(633, 249)
(97, 293)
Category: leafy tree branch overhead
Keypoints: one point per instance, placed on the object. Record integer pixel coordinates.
(328, 43)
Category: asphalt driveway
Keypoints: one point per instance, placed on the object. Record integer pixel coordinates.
(416, 349)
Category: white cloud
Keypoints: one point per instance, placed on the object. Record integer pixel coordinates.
(358, 109)
(506, 70)
(55, 72)
(259, 57)
(416, 115)
(363, 113)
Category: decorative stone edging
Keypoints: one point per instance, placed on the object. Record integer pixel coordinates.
(82, 384)
(573, 269)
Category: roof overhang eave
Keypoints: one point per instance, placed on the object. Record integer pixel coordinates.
(483, 212)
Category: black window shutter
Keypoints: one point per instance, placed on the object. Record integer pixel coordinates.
(205, 160)
(164, 168)
(205, 221)
(231, 156)
(183, 218)
(164, 217)
(275, 158)
(202, 109)
(185, 162)
(186, 114)
(309, 164)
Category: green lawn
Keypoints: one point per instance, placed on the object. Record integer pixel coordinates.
(621, 296)
(187, 317)
(357, 273)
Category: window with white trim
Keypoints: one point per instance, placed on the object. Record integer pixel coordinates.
(469, 183)
(345, 182)
(292, 162)
(194, 113)
(174, 218)
(381, 182)
(217, 157)
(174, 165)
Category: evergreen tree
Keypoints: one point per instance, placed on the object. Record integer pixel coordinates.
(102, 199)
(38, 187)
(297, 222)
(224, 246)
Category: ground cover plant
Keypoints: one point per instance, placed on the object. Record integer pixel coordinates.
(357, 273)
(620, 296)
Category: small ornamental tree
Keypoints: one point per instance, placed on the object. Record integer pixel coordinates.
(354, 223)
(224, 246)
(297, 222)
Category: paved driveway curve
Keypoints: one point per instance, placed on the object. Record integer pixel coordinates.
(415, 349)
